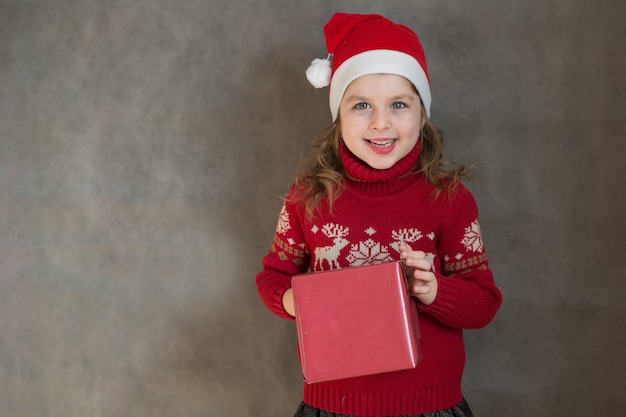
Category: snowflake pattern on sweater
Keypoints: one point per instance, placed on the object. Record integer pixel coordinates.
(371, 251)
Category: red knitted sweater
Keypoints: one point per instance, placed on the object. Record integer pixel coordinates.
(379, 210)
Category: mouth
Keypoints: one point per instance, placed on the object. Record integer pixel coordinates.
(380, 143)
(382, 146)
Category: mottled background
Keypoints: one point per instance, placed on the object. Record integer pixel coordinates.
(144, 147)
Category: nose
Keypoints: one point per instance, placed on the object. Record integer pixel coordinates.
(380, 119)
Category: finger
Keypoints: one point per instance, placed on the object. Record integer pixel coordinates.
(423, 276)
(416, 254)
(404, 250)
(420, 288)
(419, 263)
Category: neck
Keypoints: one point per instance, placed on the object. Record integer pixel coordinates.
(373, 181)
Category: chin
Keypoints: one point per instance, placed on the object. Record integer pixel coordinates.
(381, 165)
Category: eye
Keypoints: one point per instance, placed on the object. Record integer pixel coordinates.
(398, 105)
(361, 106)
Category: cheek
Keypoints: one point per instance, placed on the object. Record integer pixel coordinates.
(349, 138)
(349, 126)
(411, 126)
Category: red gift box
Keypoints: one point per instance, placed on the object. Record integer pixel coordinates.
(355, 321)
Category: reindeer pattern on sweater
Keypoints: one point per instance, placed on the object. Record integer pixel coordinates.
(334, 249)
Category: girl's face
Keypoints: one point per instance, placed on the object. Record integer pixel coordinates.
(381, 118)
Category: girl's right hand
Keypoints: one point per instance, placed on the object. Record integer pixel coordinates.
(288, 304)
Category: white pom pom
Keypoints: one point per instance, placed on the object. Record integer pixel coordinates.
(318, 73)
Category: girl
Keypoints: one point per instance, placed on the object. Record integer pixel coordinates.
(376, 189)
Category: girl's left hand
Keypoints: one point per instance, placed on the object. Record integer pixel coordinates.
(422, 281)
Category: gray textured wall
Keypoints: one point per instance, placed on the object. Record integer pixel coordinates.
(143, 149)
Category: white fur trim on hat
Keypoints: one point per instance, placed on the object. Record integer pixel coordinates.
(378, 61)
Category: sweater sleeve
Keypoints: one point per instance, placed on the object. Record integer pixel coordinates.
(287, 257)
(467, 296)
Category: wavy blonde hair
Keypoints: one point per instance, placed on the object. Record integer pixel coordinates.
(321, 175)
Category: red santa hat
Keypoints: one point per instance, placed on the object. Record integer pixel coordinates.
(362, 44)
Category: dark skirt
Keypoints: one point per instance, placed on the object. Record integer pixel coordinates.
(462, 409)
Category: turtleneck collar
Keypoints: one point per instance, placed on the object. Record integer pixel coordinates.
(379, 182)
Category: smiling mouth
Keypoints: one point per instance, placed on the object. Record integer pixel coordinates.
(381, 143)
